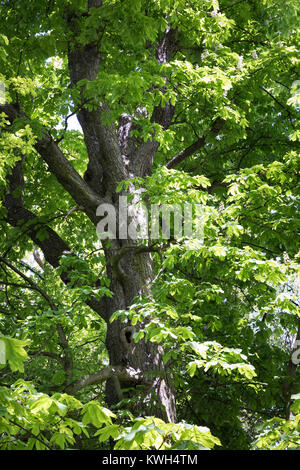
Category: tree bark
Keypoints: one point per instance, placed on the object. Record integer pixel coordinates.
(289, 386)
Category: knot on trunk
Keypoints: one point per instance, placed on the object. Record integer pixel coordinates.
(126, 335)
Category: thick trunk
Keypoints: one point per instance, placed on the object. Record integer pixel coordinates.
(155, 394)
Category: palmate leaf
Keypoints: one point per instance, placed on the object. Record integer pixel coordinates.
(44, 403)
(96, 414)
(41, 404)
(62, 439)
(279, 434)
(200, 435)
(111, 431)
(12, 350)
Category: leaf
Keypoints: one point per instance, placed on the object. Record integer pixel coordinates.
(112, 431)
(96, 414)
(12, 350)
(42, 403)
(199, 348)
(200, 435)
(192, 367)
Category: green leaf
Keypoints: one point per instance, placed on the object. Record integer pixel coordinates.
(96, 414)
(111, 431)
(12, 350)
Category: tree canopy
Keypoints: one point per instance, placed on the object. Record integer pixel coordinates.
(176, 342)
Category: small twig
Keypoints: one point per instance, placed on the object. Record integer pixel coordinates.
(31, 434)
(32, 284)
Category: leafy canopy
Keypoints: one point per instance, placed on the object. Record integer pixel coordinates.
(225, 307)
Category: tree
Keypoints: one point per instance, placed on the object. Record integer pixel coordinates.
(178, 103)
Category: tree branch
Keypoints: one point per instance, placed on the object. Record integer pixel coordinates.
(124, 374)
(60, 167)
(31, 434)
(216, 128)
(94, 3)
(52, 246)
(162, 115)
(106, 167)
(187, 152)
(32, 284)
(289, 385)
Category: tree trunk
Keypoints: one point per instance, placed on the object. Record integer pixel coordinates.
(115, 156)
(155, 394)
(289, 385)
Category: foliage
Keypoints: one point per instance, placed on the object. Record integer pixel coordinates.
(280, 434)
(224, 305)
(30, 419)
